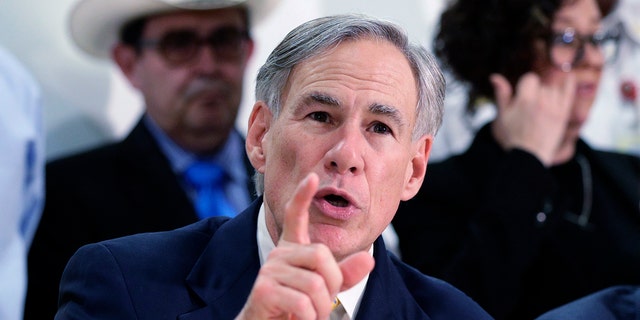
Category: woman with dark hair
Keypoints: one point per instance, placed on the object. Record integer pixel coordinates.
(529, 217)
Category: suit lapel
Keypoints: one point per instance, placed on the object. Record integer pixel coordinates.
(145, 165)
(386, 296)
(151, 183)
(224, 275)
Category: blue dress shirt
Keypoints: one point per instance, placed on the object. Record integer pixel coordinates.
(230, 158)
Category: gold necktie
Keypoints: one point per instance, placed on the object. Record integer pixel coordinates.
(335, 304)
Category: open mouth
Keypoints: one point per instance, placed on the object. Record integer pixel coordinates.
(337, 201)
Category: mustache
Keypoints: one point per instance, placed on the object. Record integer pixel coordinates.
(201, 86)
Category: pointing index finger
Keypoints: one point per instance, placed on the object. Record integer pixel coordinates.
(296, 217)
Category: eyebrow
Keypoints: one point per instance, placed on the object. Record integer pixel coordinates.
(375, 108)
(322, 99)
(315, 98)
(388, 111)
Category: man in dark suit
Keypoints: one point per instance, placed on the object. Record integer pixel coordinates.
(188, 64)
(341, 132)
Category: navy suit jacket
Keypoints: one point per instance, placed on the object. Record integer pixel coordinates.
(206, 271)
(112, 191)
(614, 303)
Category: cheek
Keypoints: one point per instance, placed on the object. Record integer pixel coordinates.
(287, 162)
(282, 146)
(282, 152)
(233, 76)
(386, 181)
(163, 86)
(581, 110)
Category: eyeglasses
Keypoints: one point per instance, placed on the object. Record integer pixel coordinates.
(181, 46)
(566, 49)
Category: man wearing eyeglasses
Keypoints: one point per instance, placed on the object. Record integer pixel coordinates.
(187, 59)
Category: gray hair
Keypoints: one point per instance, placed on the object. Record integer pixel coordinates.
(320, 35)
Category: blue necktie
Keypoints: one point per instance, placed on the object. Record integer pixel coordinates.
(208, 180)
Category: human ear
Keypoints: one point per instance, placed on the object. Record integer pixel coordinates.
(126, 57)
(259, 124)
(417, 168)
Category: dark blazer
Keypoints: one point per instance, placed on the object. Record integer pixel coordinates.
(499, 226)
(115, 190)
(614, 303)
(206, 271)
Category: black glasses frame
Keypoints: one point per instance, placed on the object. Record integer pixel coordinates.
(183, 45)
(570, 39)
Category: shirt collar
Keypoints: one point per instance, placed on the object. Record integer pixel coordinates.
(350, 299)
(228, 157)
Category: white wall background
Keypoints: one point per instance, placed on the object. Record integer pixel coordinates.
(87, 101)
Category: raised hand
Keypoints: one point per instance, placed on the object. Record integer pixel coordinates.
(534, 117)
(300, 279)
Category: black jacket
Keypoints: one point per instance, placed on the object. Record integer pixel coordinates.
(115, 190)
(502, 227)
(206, 271)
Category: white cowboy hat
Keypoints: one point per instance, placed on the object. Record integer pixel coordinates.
(94, 24)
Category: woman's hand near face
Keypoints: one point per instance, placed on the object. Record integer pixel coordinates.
(534, 117)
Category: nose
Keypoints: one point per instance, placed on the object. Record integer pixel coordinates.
(205, 60)
(347, 154)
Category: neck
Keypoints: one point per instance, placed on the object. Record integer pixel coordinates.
(565, 152)
(200, 144)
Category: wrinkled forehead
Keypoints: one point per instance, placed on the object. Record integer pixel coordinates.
(374, 70)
